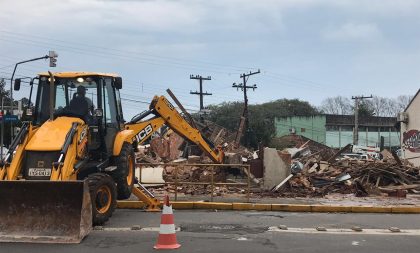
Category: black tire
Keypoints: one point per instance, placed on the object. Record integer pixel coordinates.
(103, 195)
(124, 174)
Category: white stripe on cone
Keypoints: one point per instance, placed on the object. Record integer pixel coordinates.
(166, 229)
(167, 210)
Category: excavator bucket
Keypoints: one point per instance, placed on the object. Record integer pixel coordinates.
(44, 211)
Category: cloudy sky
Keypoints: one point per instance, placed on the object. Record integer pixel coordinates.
(306, 49)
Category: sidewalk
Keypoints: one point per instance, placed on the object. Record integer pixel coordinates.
(330, 203)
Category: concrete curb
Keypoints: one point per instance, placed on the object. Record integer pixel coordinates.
(278, 207)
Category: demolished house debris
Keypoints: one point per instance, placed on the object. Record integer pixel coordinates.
(305, 169)
(340, 173)
(169, 147)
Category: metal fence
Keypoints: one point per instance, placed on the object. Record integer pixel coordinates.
(246, 168)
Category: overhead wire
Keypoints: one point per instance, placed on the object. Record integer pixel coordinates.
(301, 81)
(107, 55)
(13, 37)
(143, 54)
(146, 86)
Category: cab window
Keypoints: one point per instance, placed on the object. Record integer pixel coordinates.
(117, 96)
(109, 106)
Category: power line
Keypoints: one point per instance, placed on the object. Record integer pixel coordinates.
(293, 84)
(109, 54)
(244, 88)
(304, 82)
(106, 52)
(200, 93)
(96, 47)
(131, 53)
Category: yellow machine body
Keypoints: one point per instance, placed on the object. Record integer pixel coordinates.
(43, 194)
(54, 211)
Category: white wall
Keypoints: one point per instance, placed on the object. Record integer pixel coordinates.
(275, 169)
(410, 133)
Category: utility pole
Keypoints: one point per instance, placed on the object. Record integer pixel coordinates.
(244, 88)
(200, 93)
(356, 117)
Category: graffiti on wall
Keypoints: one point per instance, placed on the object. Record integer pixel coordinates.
(411, 141)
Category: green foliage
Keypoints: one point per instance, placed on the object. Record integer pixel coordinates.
(261, 117)
(366, 110)
(226, 114)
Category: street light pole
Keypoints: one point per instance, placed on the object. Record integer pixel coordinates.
(14, 71)
(52, 56)
(11, 90)
(11, 83)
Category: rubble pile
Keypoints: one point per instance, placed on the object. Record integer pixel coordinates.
(304, 169)
(145, 155)
(314, 176)
(201, 175)
(169, 147)
(193, 174)
(317, 149)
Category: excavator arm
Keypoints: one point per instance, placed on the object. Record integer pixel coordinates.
(166, 114)
(140, 129)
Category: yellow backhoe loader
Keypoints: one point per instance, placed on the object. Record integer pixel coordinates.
(65, 169)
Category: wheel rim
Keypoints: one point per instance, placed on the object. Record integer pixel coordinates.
(130, 170)
(103, 199)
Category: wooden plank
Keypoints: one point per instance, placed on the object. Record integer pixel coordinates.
(339, 153)
(400, 187)
(397, 159)
(190, 119)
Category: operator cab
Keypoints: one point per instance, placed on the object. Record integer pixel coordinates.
(73, 98)
(92, 97)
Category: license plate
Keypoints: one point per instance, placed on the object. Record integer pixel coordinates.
(39, 172)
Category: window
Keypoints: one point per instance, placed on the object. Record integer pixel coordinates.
(60, 97)
(66, 89)
(384, 129)
(42, 105)
(347, 128)
(109, 106)
(331, 128)
(117, 95)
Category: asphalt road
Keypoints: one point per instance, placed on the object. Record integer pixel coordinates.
(238, 231)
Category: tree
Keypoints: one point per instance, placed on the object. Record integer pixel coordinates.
(338, 105)
(5, 100)
(366, 109)
(377, 106)
(226, 114)
(4, 94)
(261, 117)
(388, 107)
(402, 102)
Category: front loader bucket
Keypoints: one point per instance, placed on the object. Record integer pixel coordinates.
(44, 211)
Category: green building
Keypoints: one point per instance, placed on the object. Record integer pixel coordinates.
(312, 127)
(337, 130)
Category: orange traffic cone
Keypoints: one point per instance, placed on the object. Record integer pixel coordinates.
(167, 237)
